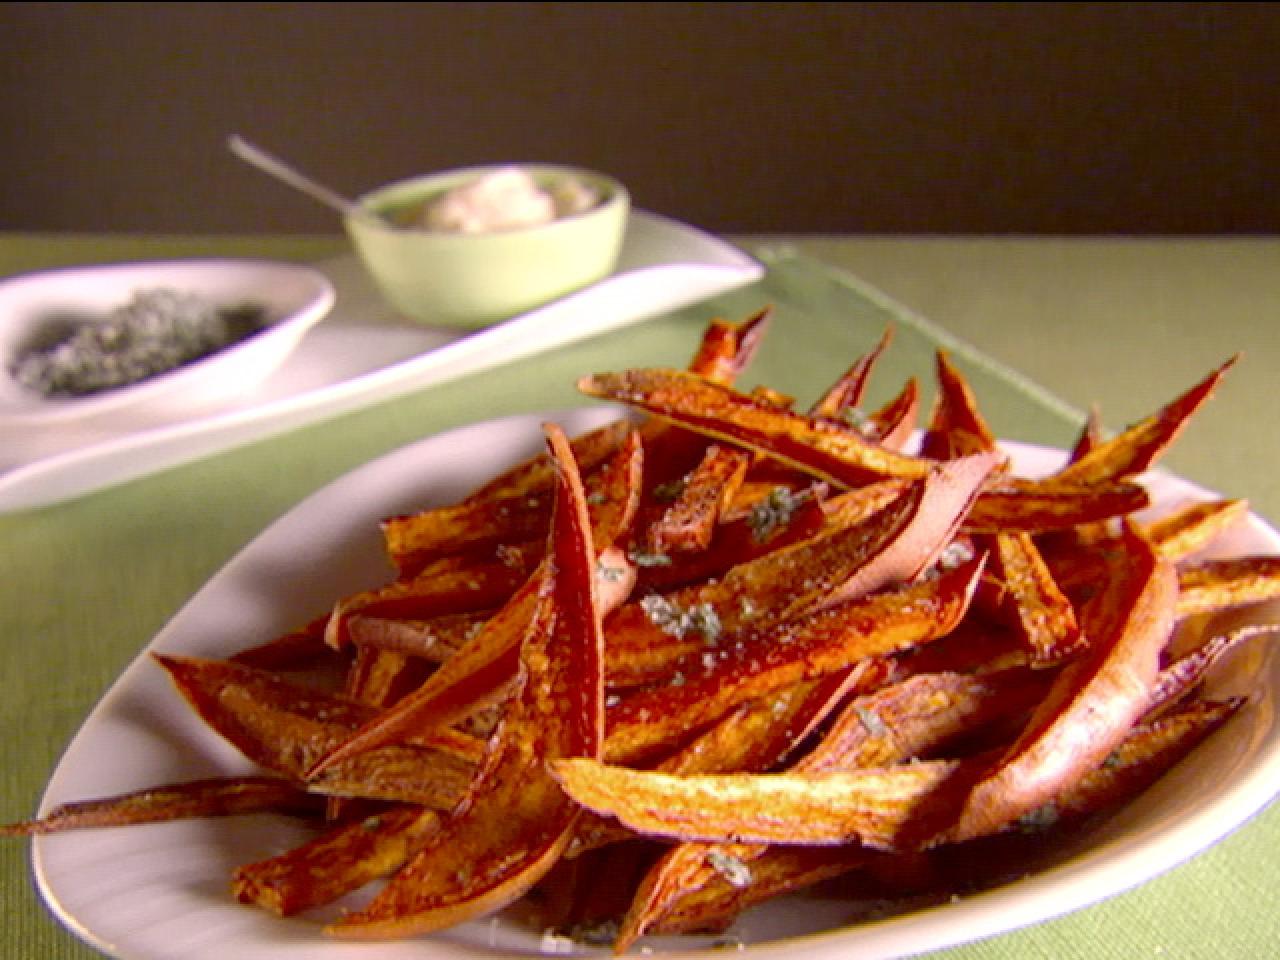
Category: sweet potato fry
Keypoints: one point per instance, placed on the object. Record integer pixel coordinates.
(817, 446)
(1092, 433)
(647, 636)
(920, 716)
(977, 645)
(1094, 700)
(341, 860)
(846, 393)
(759, 522)
(479, 584)
(1022, 592)
(870, 806)
(399, 774)
(1036, 506)
(713, 898)
(879, 729)
(956, 427)
(1146, 754)
(689, 523)
(479, 674)
(762, 733)
(1141, 445)
(727, 348)
(893, 425)
(539, 471)
(832, 639)
(1208, 586)
(287, 728)
(1143, 756)
(433, 640)
(297, 649)
(1178, 535)
(379, 677)
(708, 896)
(752, 738)
(518, 516)
(856, 506)
(515, 823)
(1181, 676)
(672, 453)
(413, 542)
(604, 882)
(220, 797)
(1192, 528)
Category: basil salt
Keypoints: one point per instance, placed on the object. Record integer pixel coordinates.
(157, 331)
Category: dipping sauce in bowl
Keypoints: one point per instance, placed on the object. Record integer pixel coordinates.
(505, 199)
(471, 247)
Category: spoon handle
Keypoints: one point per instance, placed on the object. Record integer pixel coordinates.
(257, 157)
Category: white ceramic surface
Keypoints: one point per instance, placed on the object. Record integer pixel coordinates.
(159, 891)
(362, 354)
(294, 297)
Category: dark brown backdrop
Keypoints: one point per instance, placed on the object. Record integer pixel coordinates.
(959, 117)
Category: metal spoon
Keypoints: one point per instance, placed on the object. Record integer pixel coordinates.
(275, 167)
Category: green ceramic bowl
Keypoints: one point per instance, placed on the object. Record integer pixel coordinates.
(475, 279)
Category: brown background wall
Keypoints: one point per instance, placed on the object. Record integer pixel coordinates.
(861, 117)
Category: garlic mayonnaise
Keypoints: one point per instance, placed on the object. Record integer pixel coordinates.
(506, 199)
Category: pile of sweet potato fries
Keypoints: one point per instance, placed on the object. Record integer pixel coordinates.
(720, 651)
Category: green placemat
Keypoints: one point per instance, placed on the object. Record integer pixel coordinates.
(832, 317)
(84, 585)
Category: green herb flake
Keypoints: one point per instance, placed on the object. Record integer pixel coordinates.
(870, 721)
(772, 513)
(735, 872)
(955, 554)
(1113, 761)
(609, 574)
(854, 417)
(643, 558)
(1042, 818)
(600, 934)
(701, 619)
(670, 492)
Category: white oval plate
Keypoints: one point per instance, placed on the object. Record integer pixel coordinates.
(160, 891)
(295, 299)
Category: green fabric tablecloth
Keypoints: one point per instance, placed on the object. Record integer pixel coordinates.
(86, 583)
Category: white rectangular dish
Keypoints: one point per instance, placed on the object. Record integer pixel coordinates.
(363, 354)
